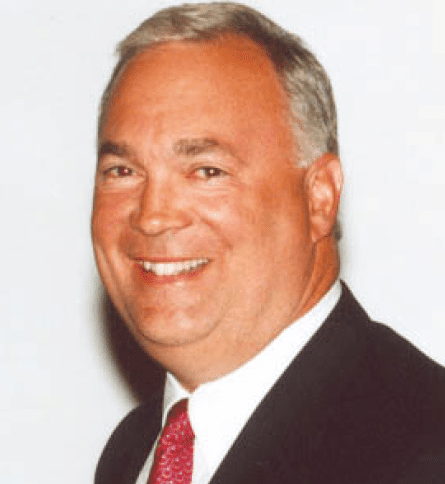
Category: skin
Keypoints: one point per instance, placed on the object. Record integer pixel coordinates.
(197, 162)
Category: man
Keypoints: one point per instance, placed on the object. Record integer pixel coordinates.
(217, 190)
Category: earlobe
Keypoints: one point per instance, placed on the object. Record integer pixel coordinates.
(324, 181)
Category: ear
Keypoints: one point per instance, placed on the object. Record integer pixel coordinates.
(324, 181)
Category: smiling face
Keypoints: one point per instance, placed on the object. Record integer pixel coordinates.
(201, 223)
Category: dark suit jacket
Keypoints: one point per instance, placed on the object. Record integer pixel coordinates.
(358, 405)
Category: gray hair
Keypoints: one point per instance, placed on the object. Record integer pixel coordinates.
(312, 111)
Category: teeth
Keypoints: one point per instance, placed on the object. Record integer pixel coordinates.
(173, 268)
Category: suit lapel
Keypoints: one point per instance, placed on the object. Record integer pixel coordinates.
(281, 439)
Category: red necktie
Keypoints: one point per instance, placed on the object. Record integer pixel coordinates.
(173, 461)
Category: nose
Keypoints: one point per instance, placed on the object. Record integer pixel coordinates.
(160, 208)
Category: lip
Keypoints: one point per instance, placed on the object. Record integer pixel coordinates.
(166, 271)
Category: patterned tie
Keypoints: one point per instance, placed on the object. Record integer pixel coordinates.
(173, 461)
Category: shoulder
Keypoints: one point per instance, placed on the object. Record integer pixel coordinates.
(405, 407)
(389, 368)
(130, 443)
(393, 405)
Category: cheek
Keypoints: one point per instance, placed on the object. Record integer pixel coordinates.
(283, 218)
(230, 216)
(110, 214)
(245, 229)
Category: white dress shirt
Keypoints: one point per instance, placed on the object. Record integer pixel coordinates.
(219, 409)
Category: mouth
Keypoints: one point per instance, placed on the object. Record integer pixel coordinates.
(173, 268)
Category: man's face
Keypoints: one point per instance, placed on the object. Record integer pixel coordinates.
(200, 223)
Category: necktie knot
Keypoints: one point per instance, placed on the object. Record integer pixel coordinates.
(173, 461)
(177, 430)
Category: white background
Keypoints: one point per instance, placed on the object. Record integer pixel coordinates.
(61, 391)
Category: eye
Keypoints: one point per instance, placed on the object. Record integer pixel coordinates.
(118, 176)
(207, 172)
(118, 171)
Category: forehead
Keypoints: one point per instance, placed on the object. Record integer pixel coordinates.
(230, 65)
(226, 87)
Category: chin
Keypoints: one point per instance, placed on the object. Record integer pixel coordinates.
(160, 331)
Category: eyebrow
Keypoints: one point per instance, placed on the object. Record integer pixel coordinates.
(188, 147)
(197, 146)
(110, 148)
